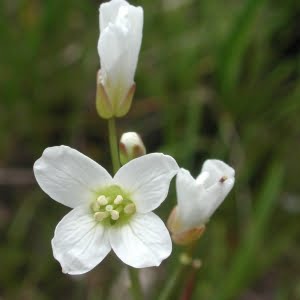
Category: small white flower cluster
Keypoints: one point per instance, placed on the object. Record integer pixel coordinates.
(115, 213)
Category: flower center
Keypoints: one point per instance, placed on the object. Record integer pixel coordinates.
(112, 206)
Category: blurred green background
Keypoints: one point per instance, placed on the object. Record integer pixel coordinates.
(215, 79)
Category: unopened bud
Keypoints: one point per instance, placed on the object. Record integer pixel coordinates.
(131, 146)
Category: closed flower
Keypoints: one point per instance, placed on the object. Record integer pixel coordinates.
(121, 26)
(197, 199)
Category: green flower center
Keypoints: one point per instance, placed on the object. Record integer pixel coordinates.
(112, 206)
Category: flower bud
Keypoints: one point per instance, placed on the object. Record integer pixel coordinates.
(131, 146)
(121, 26)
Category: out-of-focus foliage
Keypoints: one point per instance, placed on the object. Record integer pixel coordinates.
(216, 79)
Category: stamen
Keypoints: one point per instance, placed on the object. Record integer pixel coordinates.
(102, 200)
(114, 215)
(109, 208)
(118, 200)
(101, 215)
(129, 209)
(223, 178)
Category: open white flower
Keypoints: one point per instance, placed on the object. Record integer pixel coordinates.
(121, 26)
(108, 213)
(198, 198)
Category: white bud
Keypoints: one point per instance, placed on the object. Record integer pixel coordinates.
(118, 66)
(131, 146)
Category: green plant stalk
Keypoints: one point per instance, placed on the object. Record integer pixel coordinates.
(177, 274)
(172, 282)
(113, 143)
(135, 284)
(114, 151)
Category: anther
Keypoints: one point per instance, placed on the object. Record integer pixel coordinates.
(109, 208)
(223, 179)
(114, 215)
(118, 200)
(102, 200)
(129, 209)
(101, 215)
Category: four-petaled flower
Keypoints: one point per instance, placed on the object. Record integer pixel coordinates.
(198, 199)
(121, 26)
(108, 213)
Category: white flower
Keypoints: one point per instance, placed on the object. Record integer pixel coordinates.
(108, 213)
(121, 26)
(198, 198)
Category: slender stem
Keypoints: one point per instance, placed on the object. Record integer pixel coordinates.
(114, 150)
(135, 284)
(113, 142)
(177, 274)
(171, 283)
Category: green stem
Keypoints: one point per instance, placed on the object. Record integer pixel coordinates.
(171, 283)
(114, 151)
(113, 142)
(135, 284)
(177, 274)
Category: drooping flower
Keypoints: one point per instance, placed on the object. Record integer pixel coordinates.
(197, 199)
(119, 44)
(107, 213)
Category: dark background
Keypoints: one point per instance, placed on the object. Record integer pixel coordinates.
(215, 79)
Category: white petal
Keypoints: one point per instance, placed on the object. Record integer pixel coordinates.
(79, 243)
(147, 179)
(136, 19)
(196, 204)
(216, 194)
(108, 12)
(216, 169)
(143, 242)
(193, 206)
(68, 176)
